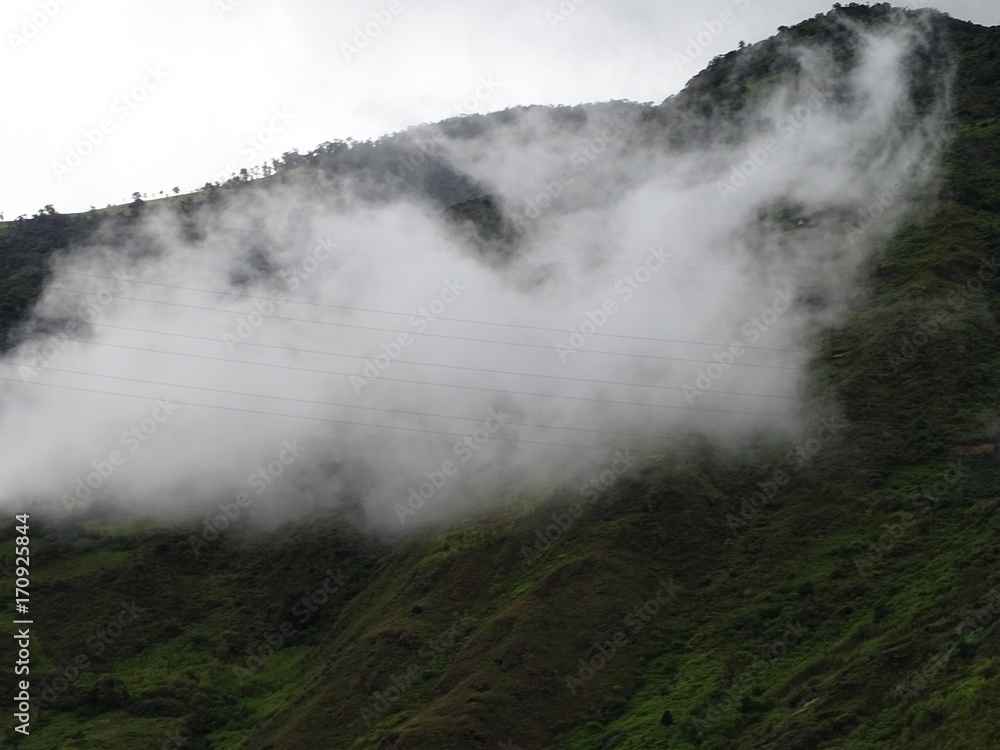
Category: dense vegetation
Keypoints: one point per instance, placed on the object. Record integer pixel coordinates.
(843, 592)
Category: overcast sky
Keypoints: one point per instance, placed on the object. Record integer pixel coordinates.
(109, 97)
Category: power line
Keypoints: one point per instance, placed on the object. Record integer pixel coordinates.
(444, 247)
(408, 362)
(825, 451)
(332, 404)
(538, 267)
(443, 385)
(432, 335)
(313, 419)
(390, 312)
(312, 235)
(417, 382)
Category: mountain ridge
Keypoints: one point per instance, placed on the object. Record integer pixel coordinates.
(823, 601)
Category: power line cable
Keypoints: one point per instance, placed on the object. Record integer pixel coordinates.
(432, 335)
(437, 317)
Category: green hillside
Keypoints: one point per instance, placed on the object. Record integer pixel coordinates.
(838, 592)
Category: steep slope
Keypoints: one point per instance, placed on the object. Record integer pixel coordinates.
(838, 592)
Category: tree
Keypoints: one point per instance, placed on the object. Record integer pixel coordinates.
(137, 203)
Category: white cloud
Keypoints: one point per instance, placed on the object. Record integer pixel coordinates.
(227, 74)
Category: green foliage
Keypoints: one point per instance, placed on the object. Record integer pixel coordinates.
(836, 615)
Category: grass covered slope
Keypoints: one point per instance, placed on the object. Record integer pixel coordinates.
(662, 615)
(841, 592)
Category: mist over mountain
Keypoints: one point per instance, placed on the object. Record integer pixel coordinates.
(621, 425)
(625, 294)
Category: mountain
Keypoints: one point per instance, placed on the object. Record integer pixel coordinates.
(832, 587)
